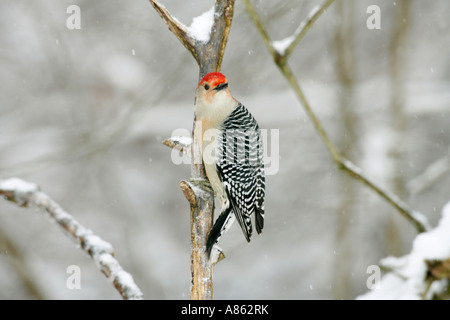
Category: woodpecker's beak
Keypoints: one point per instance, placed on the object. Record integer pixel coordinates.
(221, 86)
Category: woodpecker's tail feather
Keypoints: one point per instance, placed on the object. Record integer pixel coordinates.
(224, 220)
(259, 220)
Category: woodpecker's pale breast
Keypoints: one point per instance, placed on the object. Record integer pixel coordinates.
(232, 155)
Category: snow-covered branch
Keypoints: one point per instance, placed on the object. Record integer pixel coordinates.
(286, 46)
(282, 49)
(424, 272)
(280, 52)
(208, 33)
(182, 144)
(27, 194)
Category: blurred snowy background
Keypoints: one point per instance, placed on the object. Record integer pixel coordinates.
(83, 113)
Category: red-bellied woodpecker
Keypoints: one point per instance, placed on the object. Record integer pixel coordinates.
(232, 155)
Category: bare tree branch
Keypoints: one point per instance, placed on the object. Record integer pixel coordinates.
(280, 58)
(27, 194)
(178, 29)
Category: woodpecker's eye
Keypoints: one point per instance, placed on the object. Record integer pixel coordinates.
(207, 86)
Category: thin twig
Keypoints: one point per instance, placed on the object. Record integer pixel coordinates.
(305, 26)
(280, 59)
(26, 194)
(430, 176)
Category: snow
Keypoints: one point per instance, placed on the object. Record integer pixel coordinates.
(313, 12)
(93, 243)
(119, 277)
(407, 280)
(201, 26)
(215, 253)
(18, 185)
(184, 141)
(281, 46)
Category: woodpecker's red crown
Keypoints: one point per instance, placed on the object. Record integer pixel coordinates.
(214, 79)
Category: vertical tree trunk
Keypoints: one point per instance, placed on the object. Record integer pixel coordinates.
(209, 56)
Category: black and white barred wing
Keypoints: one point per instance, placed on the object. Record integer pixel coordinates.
(241, 168)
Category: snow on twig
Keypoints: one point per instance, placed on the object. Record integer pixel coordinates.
(281, 46)
(207, 35)
(27, 194)
(421, 274)
(201, 26)
(182, 144)
(199, 30)
(285, 46)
